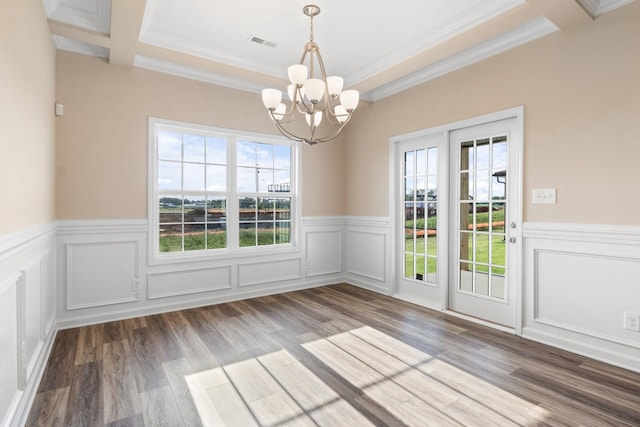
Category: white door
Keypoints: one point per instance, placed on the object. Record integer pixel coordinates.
(485, 200)
(421, 206)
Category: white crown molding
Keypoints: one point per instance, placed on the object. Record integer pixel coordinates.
(518, 36)
(195, 74)
(95, 16)
(454, 27)
(600, 7)
(70, 45)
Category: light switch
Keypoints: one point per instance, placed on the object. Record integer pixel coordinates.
(544, 196)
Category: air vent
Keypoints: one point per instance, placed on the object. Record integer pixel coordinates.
(263, 42)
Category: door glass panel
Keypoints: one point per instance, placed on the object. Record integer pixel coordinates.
(483, 198)
(420, 228)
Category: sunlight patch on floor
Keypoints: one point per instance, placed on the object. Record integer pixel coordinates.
(276, 389)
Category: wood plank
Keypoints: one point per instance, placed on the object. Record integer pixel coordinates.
(120, 393)
(48, 408)
(336, 355)
(85, 405)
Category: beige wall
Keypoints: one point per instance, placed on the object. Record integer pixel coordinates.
(27, 88)
(102, 138)
(581, 92)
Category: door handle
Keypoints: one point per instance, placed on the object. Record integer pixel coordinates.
(512, 239)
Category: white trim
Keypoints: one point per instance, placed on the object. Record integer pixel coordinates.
(99, 226)
(273, 263)
(525, 33)
(600, 7)
(589, 233)
(18, 240)
(157, 295)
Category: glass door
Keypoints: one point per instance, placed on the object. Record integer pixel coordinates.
(482, 254)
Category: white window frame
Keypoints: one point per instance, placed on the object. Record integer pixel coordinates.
(233, 249)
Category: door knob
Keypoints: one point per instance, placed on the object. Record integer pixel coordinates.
(512, 239)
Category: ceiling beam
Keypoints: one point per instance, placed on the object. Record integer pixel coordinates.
(126, 21)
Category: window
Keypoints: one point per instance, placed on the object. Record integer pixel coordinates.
(215, 190)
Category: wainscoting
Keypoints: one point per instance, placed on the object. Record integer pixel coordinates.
(27, 316)
(577, 282)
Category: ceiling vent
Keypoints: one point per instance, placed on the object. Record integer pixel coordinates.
(263, 42)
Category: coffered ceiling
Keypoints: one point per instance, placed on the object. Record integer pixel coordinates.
(379, 48)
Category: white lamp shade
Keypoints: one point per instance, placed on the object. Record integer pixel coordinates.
(297, 73)
(314, 89)
(341, 114)
(317, 119)
(271, 98)
(334, 85)
(291, 91)
(280, 111)
(349, 99)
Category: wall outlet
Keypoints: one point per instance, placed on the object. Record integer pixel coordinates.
(632, 321)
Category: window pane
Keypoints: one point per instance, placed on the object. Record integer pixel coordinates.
(194, 237)
(169, 175)
(217, 239)
(170, 238)
(420, 188)
(216, 178)
(194, 148)
(193, 177)
(466, 186)
(247, 180)
(432, 166)
(216, 150)
(283, 232)
(498, 187)
(194, 210)
(282, 182)
(265, 180)
(247, 234)
(264, 154)
(408, 265)
(482, 186)
(421, 162)
(420, 271)
(482, 248)
(466, 277)
(497, 284)
(265, 233)
(247, 206)
(409, 159)
(266, 209)
(466, 155)
(169, 145)
(282, 158)
(500, 152)
(409, 188)
(283, 209)
(170, 209)
(246, 153)
(482, 153)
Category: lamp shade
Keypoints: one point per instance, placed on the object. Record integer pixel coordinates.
(317, 118)
(314, 88)
(297, 73)
(280, 111)
(349, 99)
(271, 98)
(341, 114)
(334, 85)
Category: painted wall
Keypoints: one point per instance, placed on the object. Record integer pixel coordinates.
(27, 85)
(102, 138)
(581, 91)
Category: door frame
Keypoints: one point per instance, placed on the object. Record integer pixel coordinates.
(395, 219)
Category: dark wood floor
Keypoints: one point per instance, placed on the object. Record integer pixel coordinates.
(336, 355)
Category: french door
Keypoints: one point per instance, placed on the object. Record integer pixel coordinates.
(457, 217)
(483, 222)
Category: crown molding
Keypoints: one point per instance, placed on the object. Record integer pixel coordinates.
(95, 15)
(600, 7)
(64, 43)
(195, 74)
(518, 36)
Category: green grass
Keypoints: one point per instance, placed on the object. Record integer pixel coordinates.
(216, 240)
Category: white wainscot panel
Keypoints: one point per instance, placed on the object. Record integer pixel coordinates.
(9, 387)
(256, 273)
(174, 283)
(366, 254)
(101, 273)
(587, 293)
(323, 251)
(33, 327)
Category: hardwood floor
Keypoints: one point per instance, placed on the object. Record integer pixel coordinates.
(331, 356)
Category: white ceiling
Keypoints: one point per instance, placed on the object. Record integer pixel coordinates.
(378, 47)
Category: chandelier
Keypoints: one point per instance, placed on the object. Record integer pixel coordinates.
(313, 95)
